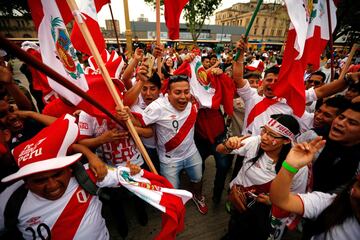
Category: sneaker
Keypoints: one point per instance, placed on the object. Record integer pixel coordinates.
(200, 204)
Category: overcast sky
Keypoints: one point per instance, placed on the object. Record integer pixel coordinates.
(137, 7)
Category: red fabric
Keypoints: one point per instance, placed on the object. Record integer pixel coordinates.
(183, 131)
(57, 108)
(173, 219)
(173, 9)
(68, 222)
(209, 124)
(259, 108)
(290, 83)
(224, 92)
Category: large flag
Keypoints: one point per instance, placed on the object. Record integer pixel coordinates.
(56, 48)
(159, 193)
(89, 9)
(173, 9)
(307, 38)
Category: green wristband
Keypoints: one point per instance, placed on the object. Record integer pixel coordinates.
(289, 167)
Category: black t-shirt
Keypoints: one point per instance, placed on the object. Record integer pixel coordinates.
(31, 128)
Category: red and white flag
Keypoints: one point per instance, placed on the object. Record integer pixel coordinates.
(158, 192)
(307, 38)
(173, 9)
(56, 48)
(89, 10)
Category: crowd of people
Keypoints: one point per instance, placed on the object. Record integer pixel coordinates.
(288, 170)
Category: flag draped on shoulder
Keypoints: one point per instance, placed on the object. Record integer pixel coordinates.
(56, 48)
(173, 9)
(307, 38)
(158, 192)
(89, 9)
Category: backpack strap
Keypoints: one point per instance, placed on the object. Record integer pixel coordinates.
(85, 182)
(11, 213)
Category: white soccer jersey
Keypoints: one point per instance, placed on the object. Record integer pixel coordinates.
(114, 153)
(263, 171)
(174, 129)
(316, 202)
(251, 98)
(139, 107)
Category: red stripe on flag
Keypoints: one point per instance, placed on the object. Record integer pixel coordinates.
(259, 108)
(183, 131)
(68, 222)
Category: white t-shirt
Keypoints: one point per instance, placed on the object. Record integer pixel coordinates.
(36, 210)
(113, 153)
(251, 98)
(139, 107)
(168, 123)
(315, 203)
(263, 171)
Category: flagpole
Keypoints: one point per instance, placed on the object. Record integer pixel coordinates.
(37, 64)
(248, 28)
(331, 42)
(94, 51)
(113, 21)
(158, 30)
(128, 33)
(354, 48)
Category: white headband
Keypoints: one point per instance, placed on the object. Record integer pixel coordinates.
(280, 129)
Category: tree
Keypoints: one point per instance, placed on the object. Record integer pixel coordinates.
(196, 13)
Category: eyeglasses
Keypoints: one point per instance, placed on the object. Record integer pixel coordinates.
(270, 134)
(315, 82)
(178, 77)
(7, 111)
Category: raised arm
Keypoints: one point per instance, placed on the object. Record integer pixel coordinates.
(128, 73)
(132, 94)
(238, 66)
(299, 156)
(41, 118)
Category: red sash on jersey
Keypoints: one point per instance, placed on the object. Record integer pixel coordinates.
(69, 220)
(259, 108)
(183, 131)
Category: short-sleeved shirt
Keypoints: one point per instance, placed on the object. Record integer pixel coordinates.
(114, 153)
(168, 122)
(251, 98)
(263, 171)
(315, 203)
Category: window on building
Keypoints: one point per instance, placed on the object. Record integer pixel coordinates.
(265, 20)
(263, 32)
(272, 32)
(241, 22)
(256, 20)
(247, 21)
(279, 32)
(255, 31)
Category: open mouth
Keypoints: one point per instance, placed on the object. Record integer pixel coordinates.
(336, 131)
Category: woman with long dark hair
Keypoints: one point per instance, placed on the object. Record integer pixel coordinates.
(263, 157)
(336, 217)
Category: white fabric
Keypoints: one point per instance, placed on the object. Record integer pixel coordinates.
(161, 113)
(251, 98)
(114, 153)
(317, 202)
(264, 170)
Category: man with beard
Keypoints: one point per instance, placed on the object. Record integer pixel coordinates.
(259, 108)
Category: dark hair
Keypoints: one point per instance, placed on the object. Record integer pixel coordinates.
(355, 87)
(252, 75)
(155, 79)
(355, 106)
(204, 57)
(177, 78)
(319, 73)
(273, 69)
(213, 56)
(293, 125)
(335, 214)
(339, 102)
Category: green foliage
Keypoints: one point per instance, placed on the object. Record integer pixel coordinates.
(196, 12)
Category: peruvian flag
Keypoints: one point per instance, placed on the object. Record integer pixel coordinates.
(89, 9)
(56, 48)
(158, 192)
(173, 9)
(307, 38)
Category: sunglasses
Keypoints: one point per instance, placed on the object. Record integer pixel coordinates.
(315, 82)
(178, 77)
(7, 111)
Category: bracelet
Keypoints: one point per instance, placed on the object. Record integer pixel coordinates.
(289, 167)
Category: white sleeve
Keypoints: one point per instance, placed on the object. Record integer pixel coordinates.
(86, 124)
(315, 202)
(310, 95)
(306, 121)
(111, 178)
(151, 113)
(246, 92)
(300, 181)
(249, 148)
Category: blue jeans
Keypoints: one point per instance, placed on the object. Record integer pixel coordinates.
(192, 165)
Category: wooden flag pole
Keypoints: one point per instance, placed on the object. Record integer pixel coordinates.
(158, 30)
(354, 48)
(250, 25)
(331, 43)
(116, 33)
(95, 52)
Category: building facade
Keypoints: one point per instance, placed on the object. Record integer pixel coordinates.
(270, 26)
